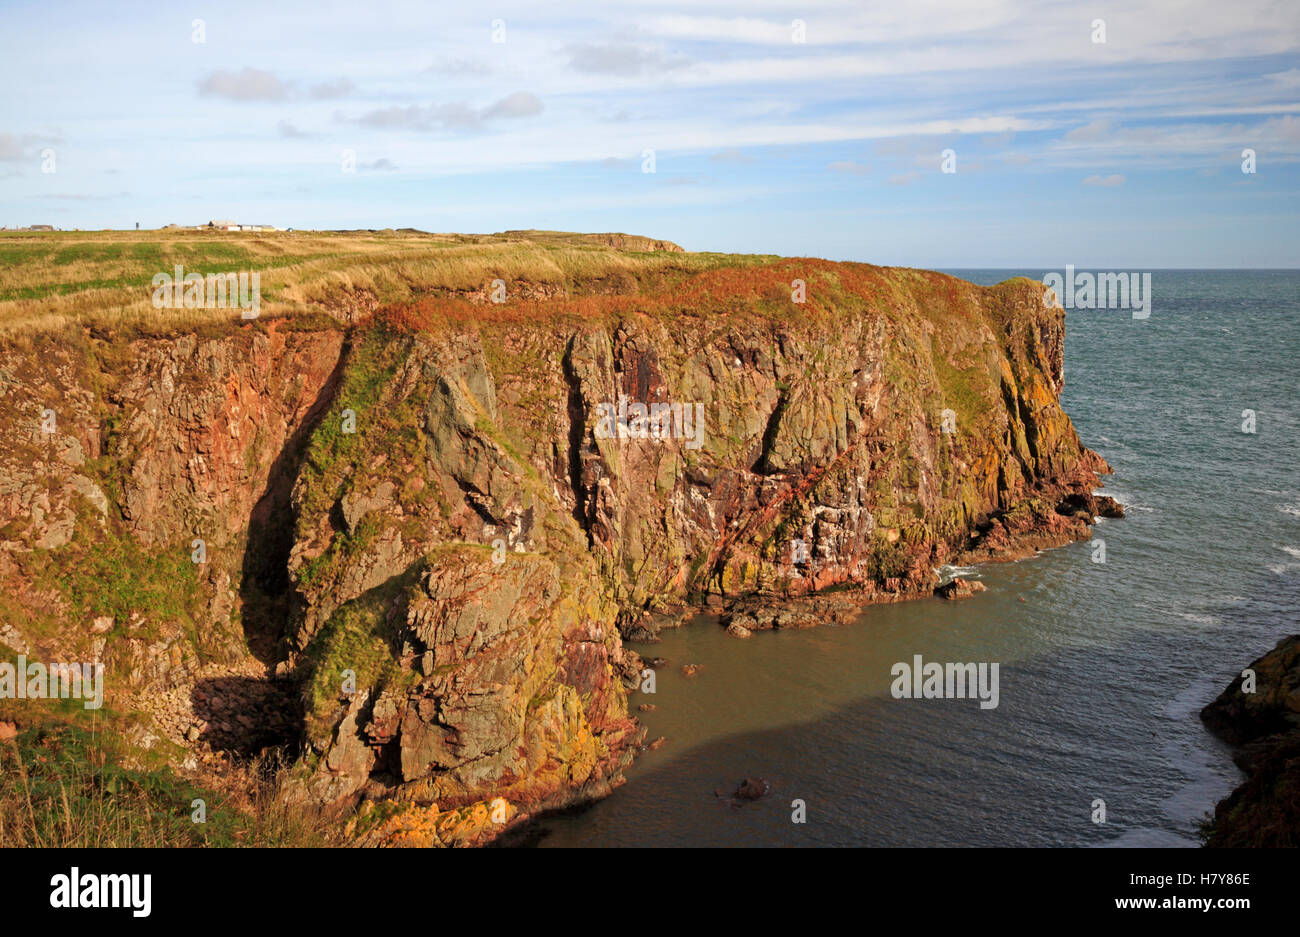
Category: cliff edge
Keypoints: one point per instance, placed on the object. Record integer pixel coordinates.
(408, 538)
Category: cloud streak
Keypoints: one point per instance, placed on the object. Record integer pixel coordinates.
(248, 84)
(457, 116)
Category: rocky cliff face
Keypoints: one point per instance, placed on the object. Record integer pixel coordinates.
(1260, 714)
(428, 528)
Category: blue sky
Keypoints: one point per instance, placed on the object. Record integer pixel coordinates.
(1125, 154)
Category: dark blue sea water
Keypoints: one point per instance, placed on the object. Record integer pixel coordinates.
(1103, 667)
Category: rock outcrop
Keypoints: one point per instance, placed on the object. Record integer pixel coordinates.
(959, 588)
(433, 522)
(1259, 713)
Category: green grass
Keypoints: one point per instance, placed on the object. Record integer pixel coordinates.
(107, 572)
(102, 279)
(965, 390)
(367, 375)
(72, 781)
(357, 637)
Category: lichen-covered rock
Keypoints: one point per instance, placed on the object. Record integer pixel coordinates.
(161, 464)
(439, 522)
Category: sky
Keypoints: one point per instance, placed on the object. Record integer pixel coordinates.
(796, 128)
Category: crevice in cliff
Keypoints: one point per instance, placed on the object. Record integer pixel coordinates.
(577, 429)
(478, 501)
(265, 588)
(762, 464)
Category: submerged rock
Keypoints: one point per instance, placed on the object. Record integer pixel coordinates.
(752, 789)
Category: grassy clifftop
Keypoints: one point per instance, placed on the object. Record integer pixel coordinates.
(102, 279)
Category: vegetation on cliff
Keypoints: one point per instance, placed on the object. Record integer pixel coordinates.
(394, 531)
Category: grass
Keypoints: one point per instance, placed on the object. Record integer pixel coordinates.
(102, 279)
(357, 637)
(74, 782)
(967, 391)
(109, 573)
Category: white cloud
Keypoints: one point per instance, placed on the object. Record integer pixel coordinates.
(328, 90)
(15, 147)
(621, 59)
(519, 104)
(250, 84)
(455, 116)
(1090, 133)
(458, 67)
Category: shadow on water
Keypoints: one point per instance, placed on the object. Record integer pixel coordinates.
(1111, 721)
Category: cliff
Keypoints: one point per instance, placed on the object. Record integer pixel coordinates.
(409, 537)
(1261, 717)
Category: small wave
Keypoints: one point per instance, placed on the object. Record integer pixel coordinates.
(1105, 442)
(1294, 551)
(948, 572)
(1293, 509)
(1128, 503)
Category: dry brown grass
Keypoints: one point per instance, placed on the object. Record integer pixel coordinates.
(51, 280)
(66, 785)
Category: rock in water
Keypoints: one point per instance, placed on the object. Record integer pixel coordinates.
(1273, 705)
(960, 589)
(1263, 719)
(737, 630)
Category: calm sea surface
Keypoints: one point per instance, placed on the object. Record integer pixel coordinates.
(1103, 667)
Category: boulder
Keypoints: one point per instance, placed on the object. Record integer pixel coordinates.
(960, 588)
(737, 630)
